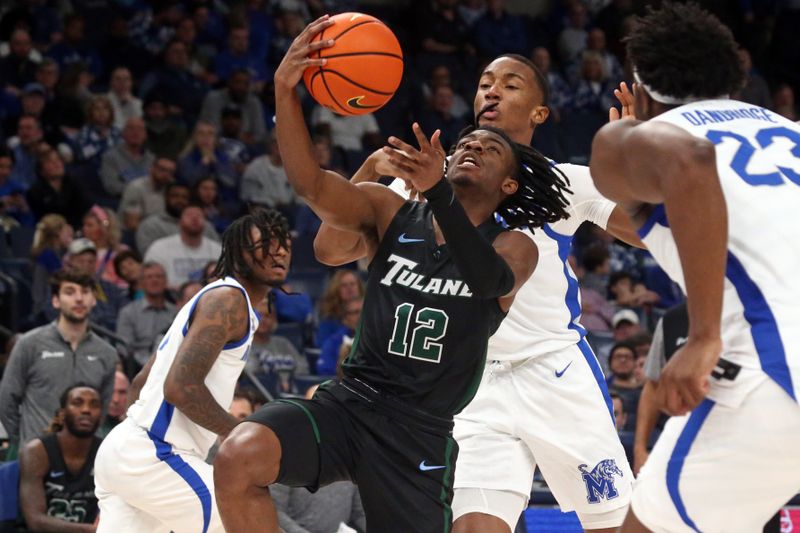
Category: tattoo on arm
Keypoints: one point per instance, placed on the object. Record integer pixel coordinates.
(219, 318)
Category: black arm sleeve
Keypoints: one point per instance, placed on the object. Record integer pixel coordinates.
(485, 272)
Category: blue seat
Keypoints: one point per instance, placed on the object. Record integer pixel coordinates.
(9, 491)
(310, 282)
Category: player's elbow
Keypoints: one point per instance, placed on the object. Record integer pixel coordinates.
(326, 251)
(175, 393)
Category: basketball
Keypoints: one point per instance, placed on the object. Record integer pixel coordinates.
(364, 65)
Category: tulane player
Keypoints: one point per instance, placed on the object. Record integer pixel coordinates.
(543, 399)
(442, 275)
(150, 473)
(715, 186)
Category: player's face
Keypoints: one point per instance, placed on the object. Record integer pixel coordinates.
(510, 89)
(485, 159)
(119, 399)
(270, 265)
(74, 302)
(82, 412)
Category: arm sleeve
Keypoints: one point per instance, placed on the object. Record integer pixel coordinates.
(485, 272)
(586, 201)
(12, 388)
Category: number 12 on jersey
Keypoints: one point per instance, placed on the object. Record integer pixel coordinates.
(430, 325)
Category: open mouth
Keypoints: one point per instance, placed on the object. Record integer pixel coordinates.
(489, 111)
(469, 161)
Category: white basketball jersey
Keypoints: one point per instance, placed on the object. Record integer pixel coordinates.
(758, 161)
(546, 310)
(157, 416)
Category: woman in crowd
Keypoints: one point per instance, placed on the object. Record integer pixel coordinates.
(345, 285)
(100, 226)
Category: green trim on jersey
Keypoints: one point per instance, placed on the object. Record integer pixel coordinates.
(448, 511)
(473, 387)
(311, 419)
(356, 340)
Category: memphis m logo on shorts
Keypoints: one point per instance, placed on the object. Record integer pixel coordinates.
(600, 480)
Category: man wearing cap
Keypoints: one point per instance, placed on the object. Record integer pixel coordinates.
(48, 359)
(625, 323)
(237, 94)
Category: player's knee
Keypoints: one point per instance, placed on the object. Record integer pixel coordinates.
(480, 523)
(250, 455)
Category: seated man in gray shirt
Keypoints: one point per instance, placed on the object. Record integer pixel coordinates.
(324, 511)
(142, 321)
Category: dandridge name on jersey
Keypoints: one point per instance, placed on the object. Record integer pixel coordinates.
(402, 273)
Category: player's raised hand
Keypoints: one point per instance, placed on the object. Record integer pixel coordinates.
(627, 101)
(297, 59)
(684, 382)
(422, 167)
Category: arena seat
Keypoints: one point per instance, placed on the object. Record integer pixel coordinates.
(9, 491)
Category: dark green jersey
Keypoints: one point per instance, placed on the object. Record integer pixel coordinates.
(423, 334)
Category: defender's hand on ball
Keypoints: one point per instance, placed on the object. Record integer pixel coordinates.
(423, 167)
(296, 60)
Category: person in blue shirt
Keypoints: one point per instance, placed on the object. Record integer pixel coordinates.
(329, 356)
(238, 56)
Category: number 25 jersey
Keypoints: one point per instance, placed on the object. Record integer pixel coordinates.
(423, 334)
(758, 162)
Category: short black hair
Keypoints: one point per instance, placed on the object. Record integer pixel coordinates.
(620, 275)
(175, 184)
(80, 385)
(236, 240)
(541, 81)
(123, 255)
(540, 197)
(684, 51)
(617, 346)
(69, 275)
(594, 256)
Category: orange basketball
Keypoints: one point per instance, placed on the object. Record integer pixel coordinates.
(364, 65)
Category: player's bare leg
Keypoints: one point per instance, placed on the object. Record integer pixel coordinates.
(632, 524)
(480, 523)
(247, 463)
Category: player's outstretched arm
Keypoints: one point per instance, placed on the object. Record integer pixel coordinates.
(33, 467)
(333, 198)
(221, 316)
(655, 163)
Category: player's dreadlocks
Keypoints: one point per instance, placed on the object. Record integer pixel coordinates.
(540, 196)
(683, 51)
(237, 240)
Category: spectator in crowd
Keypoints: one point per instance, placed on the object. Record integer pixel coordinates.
(186, 292)
(118, 406)
(56, 470)
(264, 182)
(230, 137)
(51, 240)
(176, 198)
(100, 225)
(202, 156)
(597, 267)
(755, 90)
(128, 265)
(144, 197)
(241, 407)
(560, 95)
(344, 285)
(24, 147)
(353, 134)
(128, 160)
(596, 42)
(72, 98)
(238, 57)
(165, 137)
(206, 193)
(183, 91)
(74, 48)
(471, 10)
(622, 363)
(783, 102)
(499, 32)
(594, 92)
(440, 116)
(50, 358)
(301, 511)
(33, 103)
(274, 355)
(126, 106)
(625, 324)
(444, 35)
(154, 26)
(143, 320)
(12, 194)
(238, 93)
(210, 27)
(572, 39)
(620, 416)
(108, 298)
(55, 191)
(438, 77)
(628, 292)
(99, 133)
(613, 19)
(47, 75)
(118, 50)
(288, 25)
(184, 255)
(199, 60)
(349, 317)
(597, 313)
(17, 68)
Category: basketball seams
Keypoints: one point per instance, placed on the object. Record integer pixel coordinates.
(348, 80)
(373, 21)
(330, 93)
(351, 54)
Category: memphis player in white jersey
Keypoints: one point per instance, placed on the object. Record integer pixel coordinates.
(715, 184)
(150, 472)
(542, 399)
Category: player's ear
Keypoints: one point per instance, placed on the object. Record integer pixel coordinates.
(509, 186)
(539, 114)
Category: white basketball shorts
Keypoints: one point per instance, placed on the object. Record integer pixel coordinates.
(143, 485)
(552, 411)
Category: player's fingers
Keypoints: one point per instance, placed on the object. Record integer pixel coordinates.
(317, 26)
(402, 145)
(309, 62)
(436, 142)
(396, 156)
(613, 114)
(421, 138)
(317, 45)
